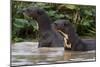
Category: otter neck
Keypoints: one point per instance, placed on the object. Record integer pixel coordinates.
(44, 23)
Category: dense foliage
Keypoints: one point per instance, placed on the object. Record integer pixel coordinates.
(82, 16)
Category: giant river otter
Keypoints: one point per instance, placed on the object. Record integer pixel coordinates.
(77, 44)
(49, 37)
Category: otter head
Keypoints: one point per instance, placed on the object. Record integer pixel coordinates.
(62, 25)
(33, 12)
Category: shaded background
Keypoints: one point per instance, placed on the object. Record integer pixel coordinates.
(81, 16)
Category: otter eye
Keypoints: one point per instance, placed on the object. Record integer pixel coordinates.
(65, 24)
(55, 24)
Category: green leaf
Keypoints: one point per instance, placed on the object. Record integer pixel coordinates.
(51, 13)
(88, 12)
(71, 6)
(20, 23)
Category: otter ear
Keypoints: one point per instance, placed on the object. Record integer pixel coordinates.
(39, 12)
(67, 23)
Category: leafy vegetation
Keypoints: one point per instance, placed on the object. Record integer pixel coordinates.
(83, 18)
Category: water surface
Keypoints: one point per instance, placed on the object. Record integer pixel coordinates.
(28, 53)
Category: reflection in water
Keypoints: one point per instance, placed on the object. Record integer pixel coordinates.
(28, 53)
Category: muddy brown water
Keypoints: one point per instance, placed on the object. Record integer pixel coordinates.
(28, 53)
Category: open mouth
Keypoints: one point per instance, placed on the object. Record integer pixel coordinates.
(67, 43)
